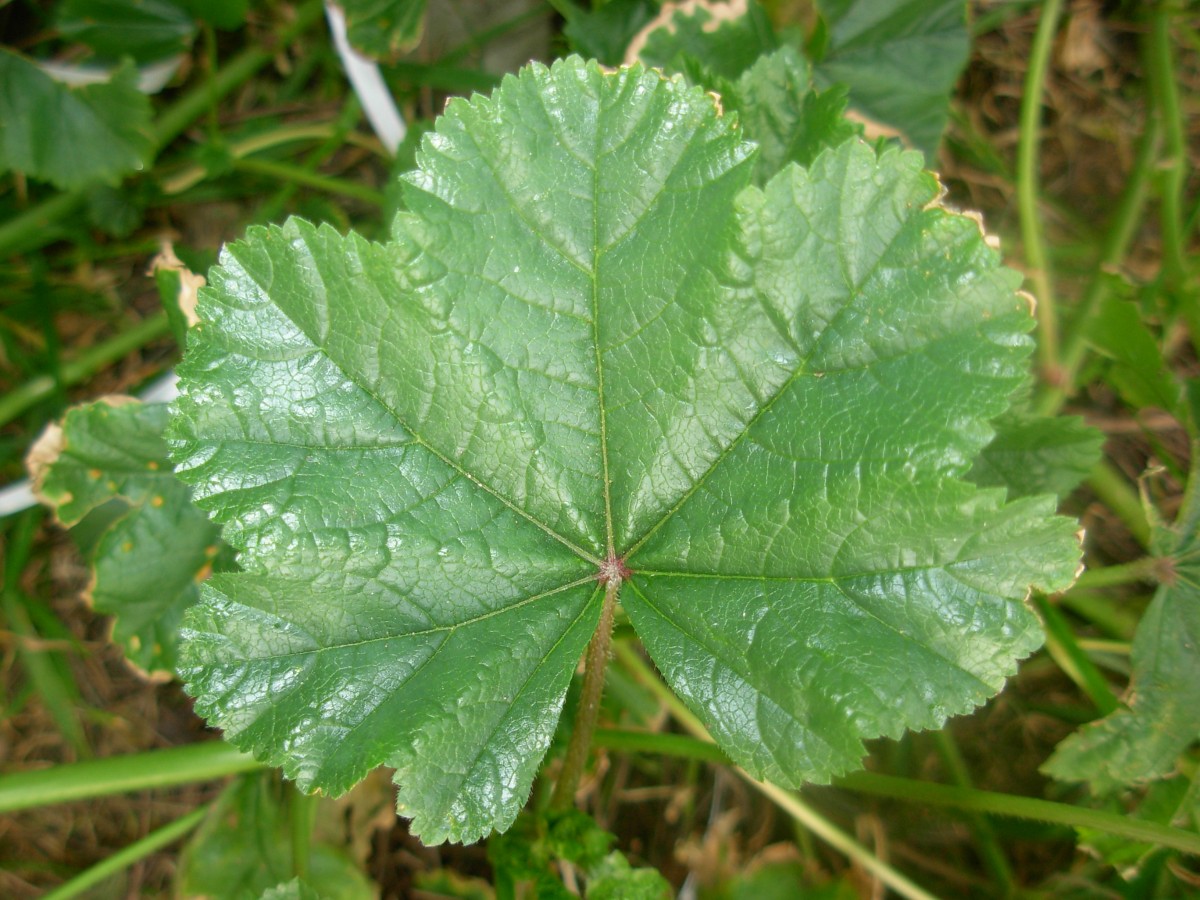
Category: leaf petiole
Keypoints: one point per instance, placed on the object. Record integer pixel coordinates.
(589, 703)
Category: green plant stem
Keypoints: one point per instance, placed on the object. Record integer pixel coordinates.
(293, 174)
(84, 366)
(35, 225)
(990, 851)
(330, 134)
(1103, 612)
(56, 690)
(235, 72)
(1116, 245)
(343, 126)
(799, 810)
(32, 228)
(1112, 488)
(122, 774)
(123, 859)
(303, 815)
(659, 743)
(1140, 570)
(908, 789)
(1161, 60)
(589, 702)
(1021, 808)
(1078, 666)
(838, 839)
(1027, 189)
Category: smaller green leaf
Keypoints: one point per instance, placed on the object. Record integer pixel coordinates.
(604, 33)
(1137, 369)
(725, 46)
(243, 851)
(145, 30)
(149, 558)
(615, 879)
(1142, 742)
(71, 136)
(900, 59)
(529, 855)
(779, 110)
(1036, 455)
(384, 28)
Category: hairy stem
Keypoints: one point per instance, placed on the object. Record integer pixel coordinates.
(1116, 244)
(589, 702)
(1027, 189)
(1113, 488)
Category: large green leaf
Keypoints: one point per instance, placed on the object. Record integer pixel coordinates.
(108, 458)
(594, 353)
(1142, 741)
(71, 136)
(900, 59)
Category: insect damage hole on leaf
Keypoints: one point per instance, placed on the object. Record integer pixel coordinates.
(594, 355)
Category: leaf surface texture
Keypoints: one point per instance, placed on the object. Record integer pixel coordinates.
(592, 338)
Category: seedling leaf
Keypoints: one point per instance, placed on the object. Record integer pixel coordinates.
(244, 850)
(149, 29)
(384, 28)
(71, 136)
(1142, 741)
(900, 59)
(158, 545)
(1033, 455)
(593, 352)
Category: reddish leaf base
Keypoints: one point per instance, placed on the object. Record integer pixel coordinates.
(613, 568)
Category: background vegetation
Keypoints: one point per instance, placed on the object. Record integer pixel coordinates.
(1072, 128)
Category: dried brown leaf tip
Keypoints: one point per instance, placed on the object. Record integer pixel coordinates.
(189, 282)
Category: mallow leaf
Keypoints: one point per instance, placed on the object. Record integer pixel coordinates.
(780, 112)
(1142, 741)
(68, 136)
(1038, 454)
(107, 464)
(595, 361)
(900, 59)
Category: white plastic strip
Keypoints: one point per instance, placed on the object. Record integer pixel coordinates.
(368, 84)
(152, 77)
